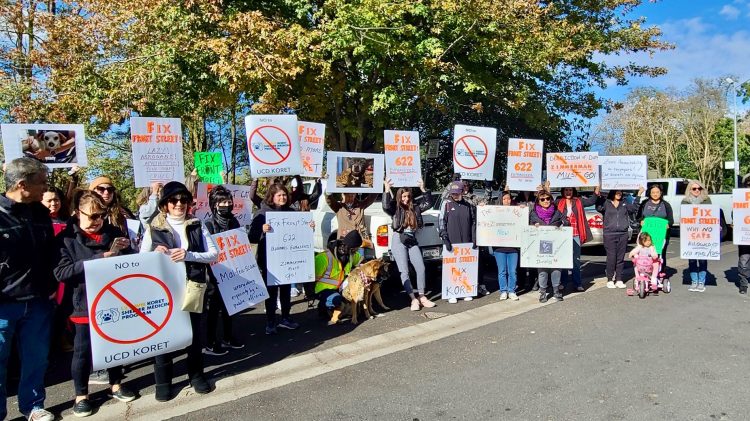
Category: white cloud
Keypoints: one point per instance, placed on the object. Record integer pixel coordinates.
(730, 12)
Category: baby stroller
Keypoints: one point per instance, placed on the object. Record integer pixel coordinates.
(643, 267)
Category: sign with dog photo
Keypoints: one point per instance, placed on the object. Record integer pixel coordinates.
(402, 164)
(350, 172)
(460, 271)
(273, 145)
(290, 248)
(157, 150)
(474, 152)
(547, 247)
(56, 145)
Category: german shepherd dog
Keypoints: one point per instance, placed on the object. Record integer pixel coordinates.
(362, 285)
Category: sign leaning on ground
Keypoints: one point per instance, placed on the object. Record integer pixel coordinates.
(700, 232)
(524, 164)
(157, 150)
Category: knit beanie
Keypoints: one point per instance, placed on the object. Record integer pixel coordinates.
(352, 240)
(99, 181)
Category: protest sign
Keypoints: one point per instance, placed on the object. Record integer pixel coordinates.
(657, 228)
(243, 206)
(350, 172)
(547, 247)
(134, 308)
(460, 271)
(474, 152)
(501, 225)
(524, 164)
(290, 254)
(312, 147)
(402, 164)
(627, 172)
(157, 150)
(209, 167)
(573, 169)
(700, 232)
(55, 145)
(741, 216)
(240, 283)
(134, 229)
(273, 145)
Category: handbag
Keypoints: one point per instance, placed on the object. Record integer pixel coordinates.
(194, 295)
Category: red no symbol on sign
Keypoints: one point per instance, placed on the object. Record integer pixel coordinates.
(464, 152)
(269, 145)
(155, 325)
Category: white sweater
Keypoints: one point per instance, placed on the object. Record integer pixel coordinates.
(178, 228)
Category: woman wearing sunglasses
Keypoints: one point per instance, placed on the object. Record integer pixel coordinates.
(696, 194)
(184, 239)
(88, 236)
(116, 212)
(545, 214)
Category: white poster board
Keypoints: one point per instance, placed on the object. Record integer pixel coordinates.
(290, 254)
(460, 271)
(273, 145)
(524, 164)
(312, 147)
(547, 247)
(243, 206)
(741, 216)
(700, 232)
(501, 225)
(134, 308)
(627, 172)
(55, 145)
(573, 169)
(474, 152)
(402, 163)
(157, 150)
(240, 282)
(350, 172)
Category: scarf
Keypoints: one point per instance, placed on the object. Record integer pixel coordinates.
(694, 200)
(221, 221)
(579, 214)
(544, 213)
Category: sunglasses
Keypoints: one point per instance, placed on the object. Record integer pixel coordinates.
(545, 199)
(175, 200)
(101, 189)
(93, 216)
(697, 188)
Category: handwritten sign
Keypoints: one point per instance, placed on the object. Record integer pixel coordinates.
(573, 169)
(700, 232)
(312, 147)
(474, 152)
(209, 167)
(628, 172)
(243, 206)
(657, 228)
(240, 282)
(273, 145)
(290, 254)
(460, 271)
(402, 164)
(157, 150)
(524, 164)
(547, 247)
(501, 225)
(741, 216)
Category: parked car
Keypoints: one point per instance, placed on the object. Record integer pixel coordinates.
(674, 191)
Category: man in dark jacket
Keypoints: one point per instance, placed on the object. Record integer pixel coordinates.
(27, 256)
(458, 223)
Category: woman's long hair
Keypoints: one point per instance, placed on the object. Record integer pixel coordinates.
(704, 193)
(410, 216)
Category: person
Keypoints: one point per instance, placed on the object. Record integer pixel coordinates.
(457, 222)
(571, 205)
(544, 214)
(88, 237)
(302, 201)
(331, 269)
(616, 222)
(656, 206)
(645, 249)
(184, 239)
(116, 212)
(28, 254)
(507, 259)
(221, 203)
(148, 203)
(696, 194)
(350, 215)
(743, 262)
(53, 199)
(406, 217)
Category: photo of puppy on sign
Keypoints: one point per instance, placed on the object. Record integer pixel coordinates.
(57, 145)
(354, 172)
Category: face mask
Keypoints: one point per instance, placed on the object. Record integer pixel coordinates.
(224, 210)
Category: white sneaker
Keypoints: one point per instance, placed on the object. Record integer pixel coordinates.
(503, 295)
(452, 301)
(611, 284)
(295, 292)
(513, 296)
(620, 284)
(468, 298)
(41, 414)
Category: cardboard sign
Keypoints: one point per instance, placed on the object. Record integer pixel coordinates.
(157, 150)
(243, 206)
(628, 172)
(474, 152)
(350, 172)
(573, 169)
(547, 247)
(312, 147)
(657, 228)
(240, 282)
(134, 308)
(501, 225)
(700, 232)
(55, 145)
(402, 163)
(209, 166)
(273, 145)
(741, 216)
(524, 164)
(290, 252)
(460, 271)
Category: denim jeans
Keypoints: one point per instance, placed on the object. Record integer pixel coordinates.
(31, 321)
(698, 269)
(576, 264)
(507, 262)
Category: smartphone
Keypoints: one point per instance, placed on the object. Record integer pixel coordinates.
(114, 248)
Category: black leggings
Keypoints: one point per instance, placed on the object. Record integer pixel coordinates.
(80, 366)
(216, 306)
(163, 365)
